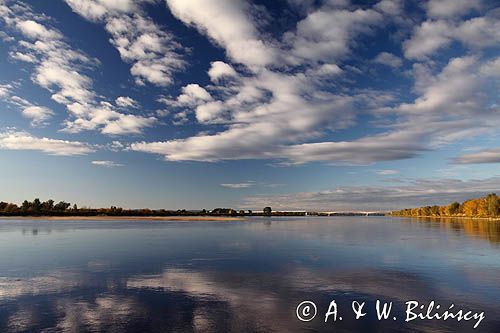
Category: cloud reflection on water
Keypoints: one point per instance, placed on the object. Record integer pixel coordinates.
(249, 276)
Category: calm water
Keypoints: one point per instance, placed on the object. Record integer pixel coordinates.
(68, 276)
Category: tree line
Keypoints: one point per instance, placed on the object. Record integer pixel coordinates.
(62, 208)
(486, 207)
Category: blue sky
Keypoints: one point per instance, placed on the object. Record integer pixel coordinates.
(298, 104)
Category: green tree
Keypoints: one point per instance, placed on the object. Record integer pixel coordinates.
(48, 205)
(26, 206)
(267, 211)
(453, 209)
(493, 205)
(61, 206)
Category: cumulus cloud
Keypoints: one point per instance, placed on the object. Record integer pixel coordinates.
(125, 101)
(282, 114)
(491, 68)
(452, 8)
(328, 33)
(213, 17)
(327, 70)
(279, 96)
(36, 30)
(390, 7)
(415, 193)
(454, 89)
(97, 9)
(388, 59)
(105, 117)
(20, 140)
(5, 90)
(61, 70)
(26, 57)
(265, 110)
(219, 70)
(193, 94)
(433, 35)
(449, 107)
(153, 53)
(38, 114)
(427, 38)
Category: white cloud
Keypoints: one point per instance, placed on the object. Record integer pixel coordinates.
(451, 8)
(35, 30)
(127, 124)
(125, 101)
(238, 185)
(107, 164)
(192, 95)
(5, 90)
(18, 140)
(269, 97)
(56, 72)
(328, 70)
(152, 51)
(61, 70)
(289, 96)
(26, 57)
(385, 147)
(485, 156)
(417, 193)
(328, 33)
(38, 114)
(226, 23)
(449, 107)
(491, 68)
(109, 121)
(453, 90)
(219, 70)
(390, 7)
(97, 9)
(388, 59)
(387, 172)
(432, 35)
(258, 130)
(210, 112)
(427, 38)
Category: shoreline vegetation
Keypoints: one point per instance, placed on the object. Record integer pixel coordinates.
(127, 218)
(64, 210)
(484, 208)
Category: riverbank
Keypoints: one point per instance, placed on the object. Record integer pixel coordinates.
(124, 218)
(493, 219)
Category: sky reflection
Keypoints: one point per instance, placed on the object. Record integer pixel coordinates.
(236, 276)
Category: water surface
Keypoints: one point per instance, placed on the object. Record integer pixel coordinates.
(243, 276)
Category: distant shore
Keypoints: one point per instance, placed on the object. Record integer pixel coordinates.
(495, 219)
(126, 218)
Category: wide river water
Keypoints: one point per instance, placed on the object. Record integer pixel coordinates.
(245, 276)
